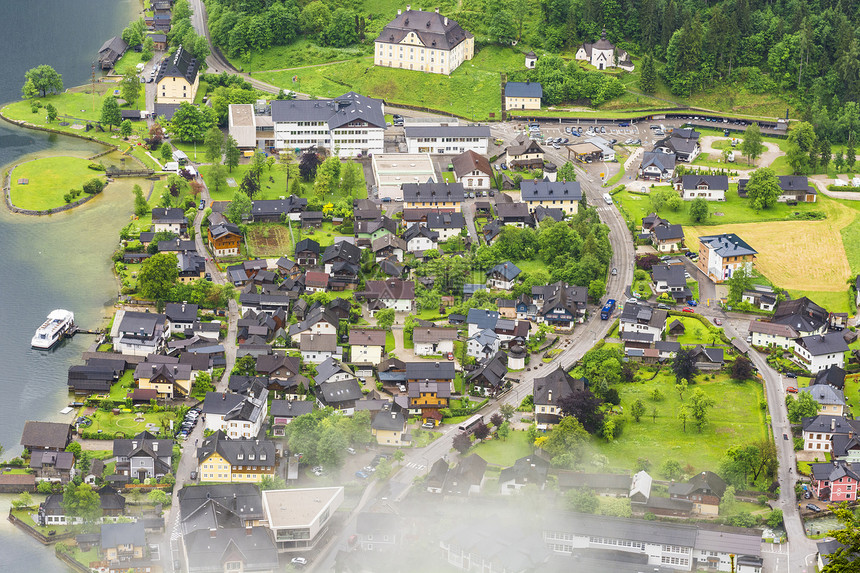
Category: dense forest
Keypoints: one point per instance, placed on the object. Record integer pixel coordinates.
(808, 51)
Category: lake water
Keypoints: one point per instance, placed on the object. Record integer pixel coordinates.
(50, 262)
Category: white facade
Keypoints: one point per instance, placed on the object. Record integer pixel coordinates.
(654, 331)
(703, 193)
(723, 271)
(445, 233)
(431, 348)
(317, 356)
(817, 441)
(236, 429)
(398, 304)
(819, 362)
(475, 180)
(420, 244)
(448, 139)
(762, 339)
(366, 353)
(320, 327)
(499, 282)
(350, 140)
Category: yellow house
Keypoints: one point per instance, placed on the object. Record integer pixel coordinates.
(423, 41)
(177, 78)
(239, 460)
(122, 541)
(523, 95)
(442, 196)
(552, 194)
(389, 427)
(169, 380)
(366, 345)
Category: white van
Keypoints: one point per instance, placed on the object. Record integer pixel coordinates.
(607, 198)
(730, 157)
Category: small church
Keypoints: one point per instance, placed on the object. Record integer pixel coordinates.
(603, 54)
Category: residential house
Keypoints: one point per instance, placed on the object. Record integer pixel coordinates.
(143, 456)
(298, 519)
(525, 153)
(393, 293)
(377, 531)
(340, 252)
(446, 224)
(427, 398)
(642, 319)
(833, 376)
(671, 279)
(472, 171)
(419, 239)
(232, 548)
(278, 366)
(241, 460)
(548, 391)
(761, 297)
(479, 319)
(564, 195)
(433, 340)
(177, 78)
(542, 213)
(793, 189)
(604, 54)
(705, 490)
(46, 436)
(224, 239)
(160, 42)
(503, 276)
(483, 344)
(285, 411)
(436, 476)
(389, 426)
(447, 139)
(366, 345)
(191, 267)
(489, 374)
(220, 506)
(96, 377)
(803, 315)
(311, 219)
(53, 466)
(467, 477)
(316, 281)
(177, 246)
(123, 545)
(830, 400)
(817, 352)
(139, 333)
(307, 252)
(721, 255)
(388, 247)
(288, 268)
(51, 511)
(111, 51)
(772, 334)
(351, 124)
(368, 231)
(180, 316)
(319, 321)
(276, 210)
(682, 143)
(528, 470)
(341, 395)
(708, 358)
(514, 214)
(523, 95)
(657, 166)
(604, 485)
(708, 187)
(820, 430)
(441, 196)
(170, 220)
(423, 41)
(665, 237)
(316, 348)
(835, 481)
(558, 304)
(168, 380)
(236, 415)
(845, 447)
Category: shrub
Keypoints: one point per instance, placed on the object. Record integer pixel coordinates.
(96, 167)
(94, 186)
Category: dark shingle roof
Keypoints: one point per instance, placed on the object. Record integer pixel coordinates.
(523, 89)
(181, 65)
(532, 190)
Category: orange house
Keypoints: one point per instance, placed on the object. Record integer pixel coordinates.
(224, 239)
(427, 398)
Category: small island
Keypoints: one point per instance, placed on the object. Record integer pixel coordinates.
(53, 182)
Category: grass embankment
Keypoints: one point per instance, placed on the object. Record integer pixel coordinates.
(273, 183)
(694, 331)
(48, 179)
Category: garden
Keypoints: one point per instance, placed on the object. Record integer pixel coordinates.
(108, 424)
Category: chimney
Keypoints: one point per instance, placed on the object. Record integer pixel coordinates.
(549, 396)
(248, 530)
(437, 9)
(832, 424)
(134, 445)
(399, 11)
(408, 7)
(213, 533)
(446, 20)
(155, 446)
(223, 395)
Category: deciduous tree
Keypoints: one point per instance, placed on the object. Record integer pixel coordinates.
(110, 112)
(44, 80)
(582, 500)
(239, 207)
(804, 406)
(585, 407)
(461, 443)
(130, 89)
(699, 210)
(81, 501)
(699, 405)
(637, 410)
(684, 365)
(125, 128)
(763, 188)
(51, 113)
(752, 145)
(214, 143)
(231, 153)
(742, 369)
(157, 276)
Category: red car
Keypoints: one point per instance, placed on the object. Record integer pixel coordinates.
(450, 356)
(791, 390)
(688, 309)
(718, 322)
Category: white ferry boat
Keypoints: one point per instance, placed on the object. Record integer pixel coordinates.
(51, 331)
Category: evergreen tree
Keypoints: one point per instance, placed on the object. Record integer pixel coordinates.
(110, 113)
(231, 153)
(648, 79)
(850, 154)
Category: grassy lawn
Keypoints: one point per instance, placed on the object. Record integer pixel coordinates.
(25, 515)
(125, 423)
(324, 235)
(694, 331)
(424, 438)
(389, 341)
(786, 258)
(128, 63)
(300, 53)
(273, 182)
(694, 288)
(119, 391)
(851, 238)
(472, 91)
(643, 288)
(735, 419)
(84, 557)
(505, 453)
(50, 178)
(714, 161)
(268, 239)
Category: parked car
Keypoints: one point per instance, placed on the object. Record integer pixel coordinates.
(614, 271)
(693, 303)
(628, 141)
(688, 309)
(663, 306)
(791, 390)
(450, 356)
(300, 561)
(193, 474)
(813, 507)
(350, 451)
(718, 322)
(785, 436)
(624, 124)
(632, 300)
(428, 425)
(602, 129)
(807, 495)
(360, 475)
(402, 387)
(790, 375)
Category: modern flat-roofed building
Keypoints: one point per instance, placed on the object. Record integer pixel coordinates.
(448, 139)
(299, 518)
(392, 170)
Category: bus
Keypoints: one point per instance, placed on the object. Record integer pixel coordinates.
(470, 424)
(607, 309)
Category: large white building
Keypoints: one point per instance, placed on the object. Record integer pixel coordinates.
(299, 518)
(423, 41)
(449, 139)
(603, 54)
(820, 351)
(352, 124)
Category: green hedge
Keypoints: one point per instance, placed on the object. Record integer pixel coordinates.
(468, 411)
(846, 188)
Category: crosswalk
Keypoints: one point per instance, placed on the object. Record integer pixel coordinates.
(415, 466)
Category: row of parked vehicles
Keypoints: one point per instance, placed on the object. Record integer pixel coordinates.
(365, 472)
(188, 423)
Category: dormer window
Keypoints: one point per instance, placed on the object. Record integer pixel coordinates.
(240, 457)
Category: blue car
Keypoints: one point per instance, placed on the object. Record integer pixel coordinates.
(693, 303)
(360, 475)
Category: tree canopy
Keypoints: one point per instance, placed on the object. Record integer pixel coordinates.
(42, 80)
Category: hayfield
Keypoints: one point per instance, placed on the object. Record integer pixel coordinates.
(798, 255)
(269, 239)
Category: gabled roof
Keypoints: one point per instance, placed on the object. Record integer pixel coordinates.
(239, 451)
(342, 250)
(433, 334)
(389, 289)
(433, 192)
(526, 470)
(522, 145)
(171, 215)
(270, 207)
(208, 551)
(335, 112)
(542, 213)
(224, 229)
(318, 343)
(47, 435)
(243, 499)
(432, 29)
(482, 318)
(663, 161)
(556, 385)
(116, 534)
(469, 161)
(416, 231)
(728, 245)
(832, 471)
(667, 232)
(308, 245)
(181, 65)
(430, 371)
(490, 372)
(388, 241)
(712, 182)
(333, 393)
(517, 210)
(479, 131)
(672, 275)
(289, 408)
(834, 376)
(707, 482)
(821, 344)
(366, 337)
(437, 220)
(801, 314)
(532, 190)
(524, 89)
(825, 394)
(830, 424)
(713, 355)
(507, 270)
